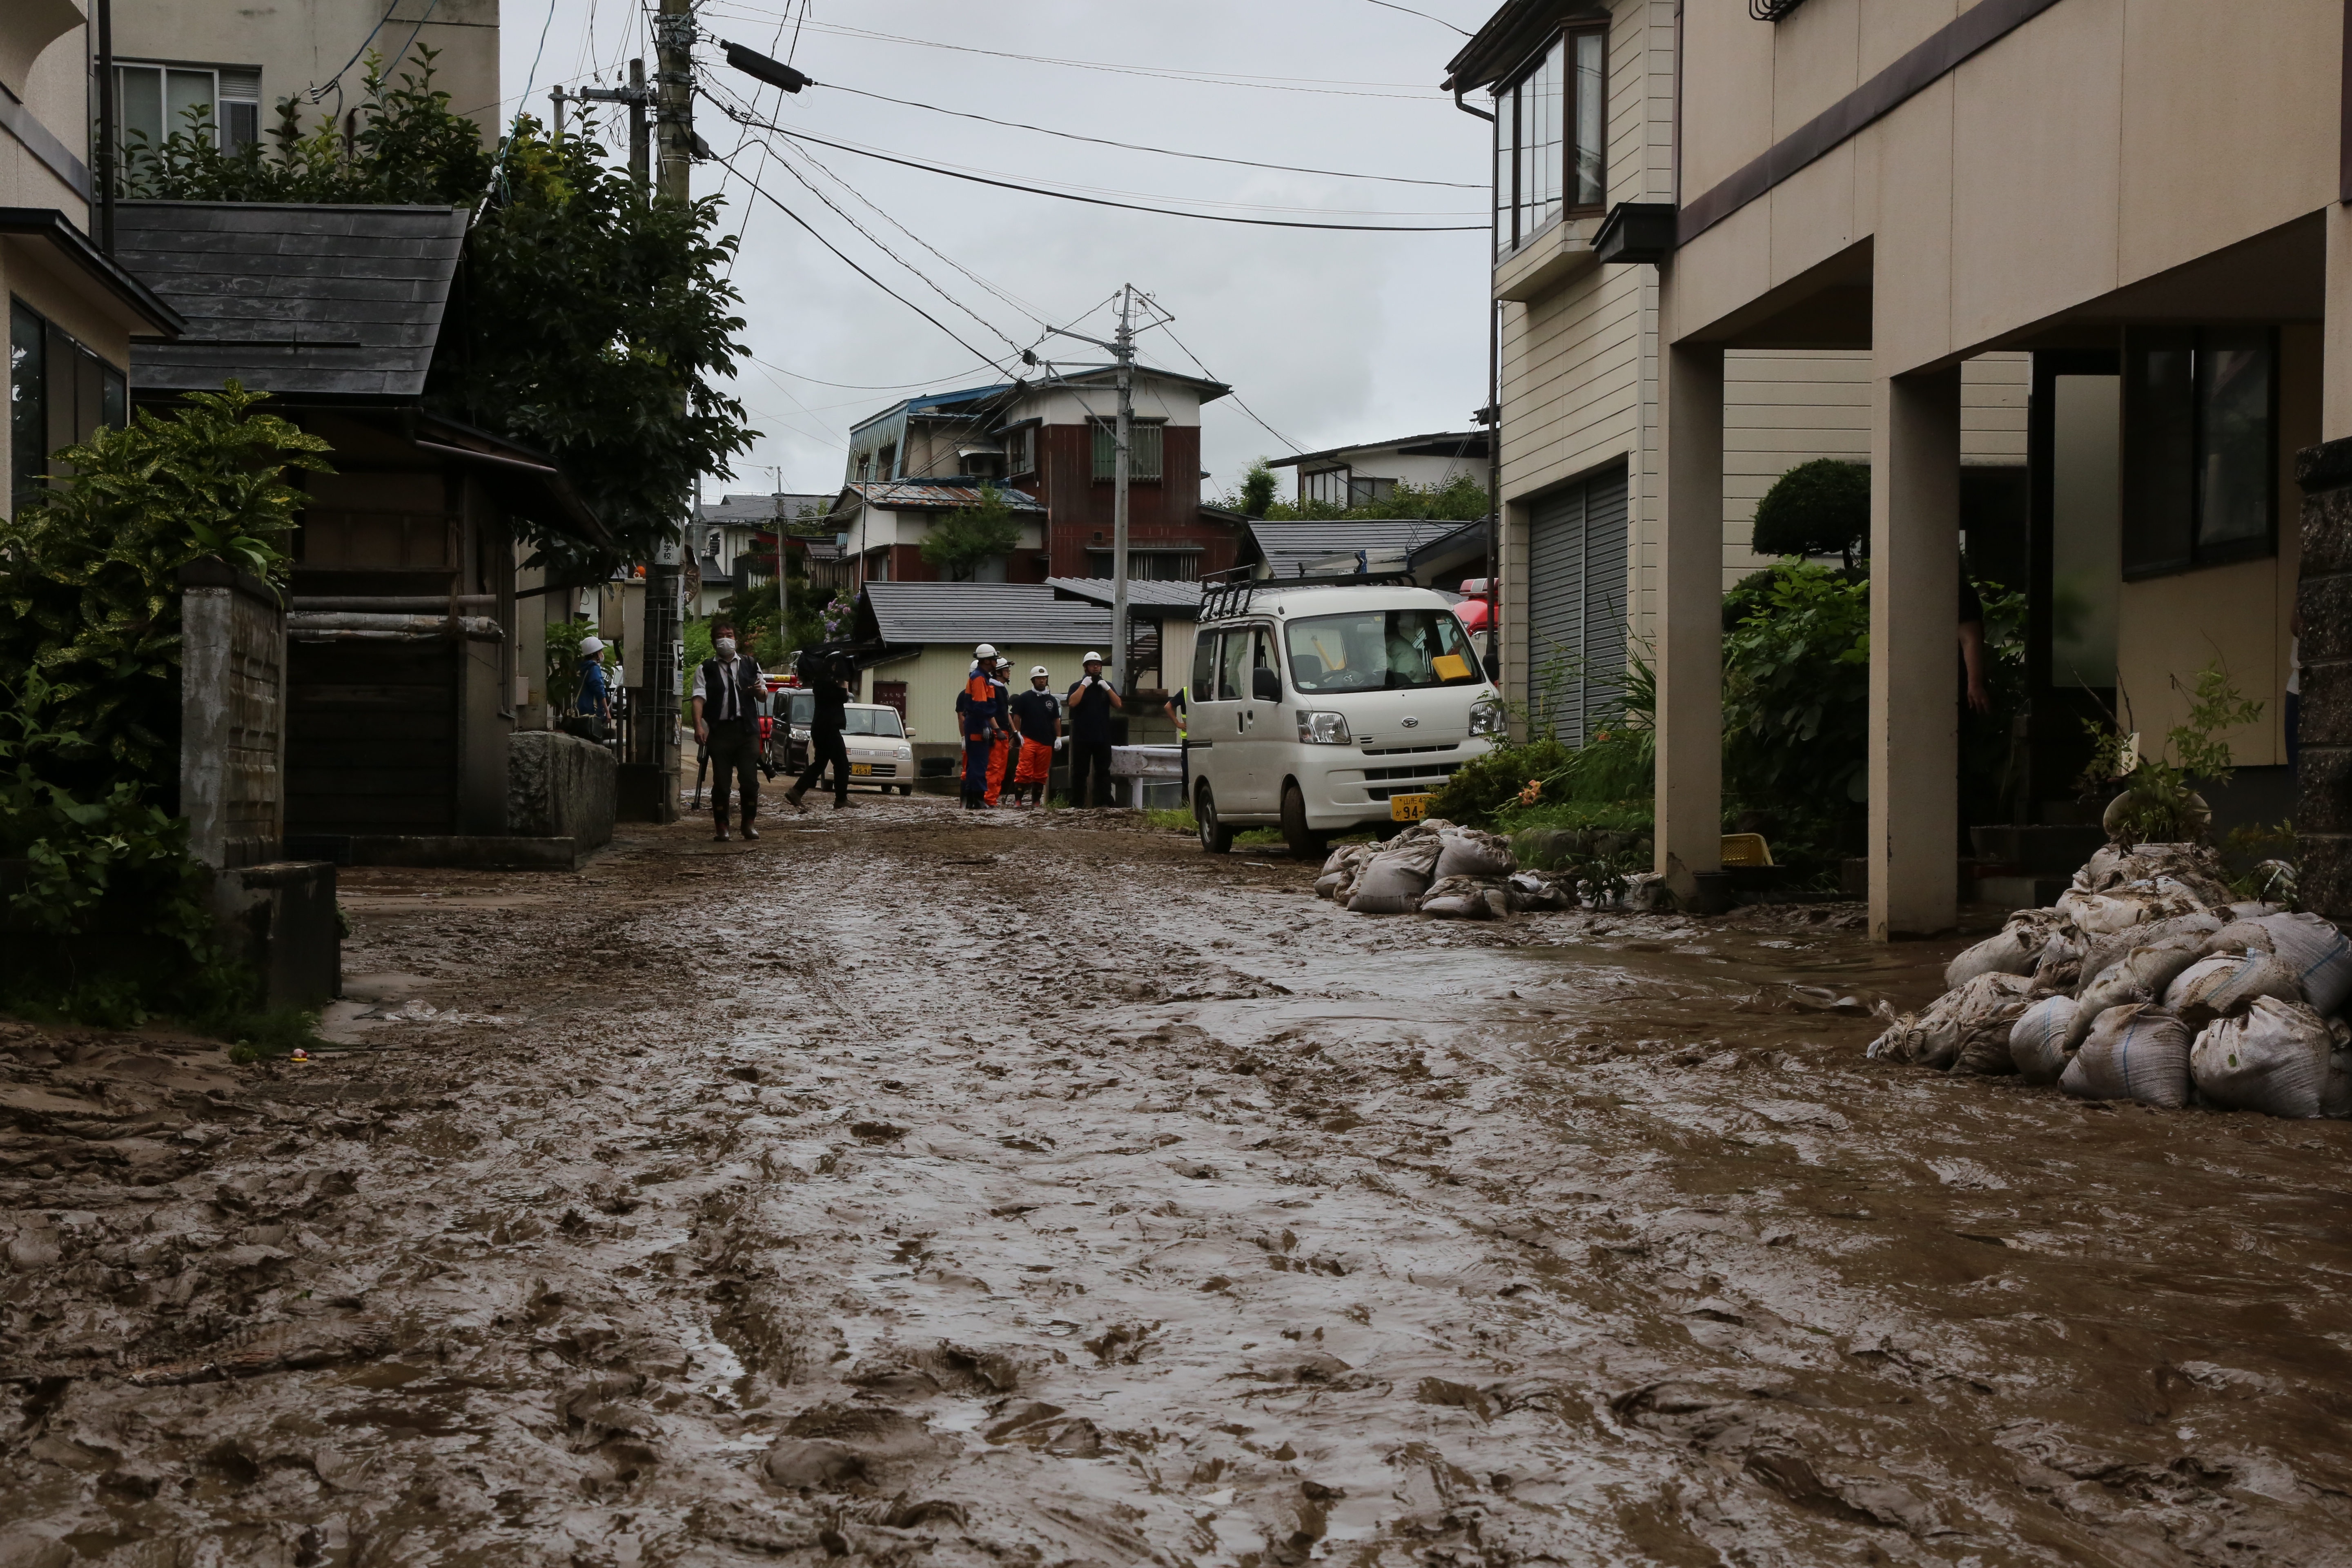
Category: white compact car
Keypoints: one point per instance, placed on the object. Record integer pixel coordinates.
(879, 753)
(1326, 709)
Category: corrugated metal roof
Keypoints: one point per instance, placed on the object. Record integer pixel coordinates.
(333, 300)
(1465, 438)
(1157, 595)
(918, 495)
(982, 612)
(1288, 546)
(762, 510)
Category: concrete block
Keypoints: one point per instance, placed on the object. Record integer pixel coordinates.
(2324, 790)
(560, 786)
(2326, 885)
(2327, 703)
(2327, 533)
(2327, 605)
(279, 919)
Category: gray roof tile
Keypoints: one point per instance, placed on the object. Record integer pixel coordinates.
(983, 612)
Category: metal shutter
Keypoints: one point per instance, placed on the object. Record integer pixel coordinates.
(1576, 605)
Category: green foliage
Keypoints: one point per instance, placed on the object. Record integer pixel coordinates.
(1257, 491)
(2276, 862)
(408, 149)
(2159, 804)
(590, 321)
(1820, 507)
(89, 573)
(969, 535)
(1484, 785)
(1796, 689)
(562, 674)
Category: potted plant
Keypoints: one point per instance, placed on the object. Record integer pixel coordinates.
(2159, 803)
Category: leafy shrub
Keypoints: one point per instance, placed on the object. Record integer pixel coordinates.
(961, 541)
(2159, 795)
(1820, 507)
(1796, 692)
(1484, 785)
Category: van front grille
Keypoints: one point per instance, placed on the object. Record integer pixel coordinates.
(1401, 751)
(1414, 771)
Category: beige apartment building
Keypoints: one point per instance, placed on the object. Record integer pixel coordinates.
(72, 313)
(1584, 96)
(233, 63)
(2143, 196)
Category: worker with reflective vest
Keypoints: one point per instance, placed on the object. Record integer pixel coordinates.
(980, 709)
(1000, 755)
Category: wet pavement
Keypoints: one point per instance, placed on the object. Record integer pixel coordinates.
(909, 1188)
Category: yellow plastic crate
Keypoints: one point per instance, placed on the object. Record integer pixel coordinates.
(1746, 850)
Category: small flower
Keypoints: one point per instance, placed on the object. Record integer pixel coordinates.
(1533, 793)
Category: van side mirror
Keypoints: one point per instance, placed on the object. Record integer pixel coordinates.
(1266, 685)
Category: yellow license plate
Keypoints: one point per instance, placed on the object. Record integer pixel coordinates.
(861, 769)
(1409, 807)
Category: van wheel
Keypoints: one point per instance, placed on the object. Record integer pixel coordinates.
(1216, 838)
(1305, 843)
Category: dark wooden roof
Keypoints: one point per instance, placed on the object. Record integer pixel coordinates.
(341, 302)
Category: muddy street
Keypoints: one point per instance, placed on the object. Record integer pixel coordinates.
(920, 1189)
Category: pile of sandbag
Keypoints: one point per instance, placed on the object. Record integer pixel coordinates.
(1435, 867)
(2150, 981)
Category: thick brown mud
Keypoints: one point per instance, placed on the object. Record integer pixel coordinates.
(916, 1189)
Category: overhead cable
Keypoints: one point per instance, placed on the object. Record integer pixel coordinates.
(862, 386)
(1391, 6)
(761, 191)
(1236, 396)
(1144, 147)
(1203, 78)
(1105, 202)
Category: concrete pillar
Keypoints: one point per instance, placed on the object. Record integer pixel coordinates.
(1915, 592)
(1689, 626)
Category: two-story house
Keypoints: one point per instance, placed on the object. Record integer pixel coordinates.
(1050, 446)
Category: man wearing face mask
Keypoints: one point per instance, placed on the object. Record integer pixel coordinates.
(726, 693)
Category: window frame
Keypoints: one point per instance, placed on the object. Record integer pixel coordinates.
(67, 366)
(227, 136)
(2174, 493)
(1024, 435)
(1511, 234)
(1105, 453)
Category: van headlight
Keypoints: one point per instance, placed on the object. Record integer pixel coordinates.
(1489, 719)
(1324, 729)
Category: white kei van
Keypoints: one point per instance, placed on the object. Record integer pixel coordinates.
(1326, 708)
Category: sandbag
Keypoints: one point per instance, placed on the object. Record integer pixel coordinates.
(2194, 868)
(1467, 852)
(2127, 905)
(2142, 973)
(1958, 1021)
(2016, 951)
(2277, 1059)
(1647, 894)
(2240, 936)
(1465, 899)
(1539, 891)
(2321, 958)
(2041, 1042)
(2099, 952)
(1340, 870)
(1395, 878)
(2254, 909)
(2227, 983)
(2137, 1051)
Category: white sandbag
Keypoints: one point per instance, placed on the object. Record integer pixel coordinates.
(2254, 909)
(1465, 899)
(2039, 1042)
(2142, 973)
(1395, 878)
(2228, 983)
(1340, 870)
(1964, 1021)
(2195, 866)
(2017, 950)
(2135, 1052)
(2240, 936)
(1529, 891)
(2275, 1058)
(1467, 852)
(2099, 952)
(2102, 914)
(2320, 956)
(1647, 894)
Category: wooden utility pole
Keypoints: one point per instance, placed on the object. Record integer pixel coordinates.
(1122, 470)
(673, 98)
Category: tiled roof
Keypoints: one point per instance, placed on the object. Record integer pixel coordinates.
(325, 300)
(1004, 613)
(1287, 547)
(1140, 594)
(917, 494)
(759, 511)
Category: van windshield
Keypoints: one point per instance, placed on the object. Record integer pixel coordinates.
(870, 721)
(1381, 650)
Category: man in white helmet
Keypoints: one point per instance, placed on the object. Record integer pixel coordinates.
(980, 712)
(1038, 716)
(1091, 702)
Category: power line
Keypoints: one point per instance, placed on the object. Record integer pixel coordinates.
(1391, 6)
(1143, 147)
(1203, 78)
(1236, 396)
(762, 192)
(862, 386)
(1105, 202)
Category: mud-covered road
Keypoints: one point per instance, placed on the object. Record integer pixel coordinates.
(909, 1188)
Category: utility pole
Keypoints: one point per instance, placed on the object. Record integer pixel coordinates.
(1123, 352)
(634, 95)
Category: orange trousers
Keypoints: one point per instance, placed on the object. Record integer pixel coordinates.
(999, 766)
(1036, 762)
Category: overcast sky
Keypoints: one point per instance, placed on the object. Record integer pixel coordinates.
(1331, 338)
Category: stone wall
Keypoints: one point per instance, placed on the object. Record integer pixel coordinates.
(560, 786)
(2323, 814)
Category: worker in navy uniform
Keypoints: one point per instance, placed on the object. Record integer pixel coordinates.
(825, 745)
(727, 692)
(1090, 703)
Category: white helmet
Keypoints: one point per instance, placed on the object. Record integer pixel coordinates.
(1037, 670)
(985, 650)
(1092, 658)
(591, 646)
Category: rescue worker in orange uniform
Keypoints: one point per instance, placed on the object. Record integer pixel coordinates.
(1000, 755)
(982, 717)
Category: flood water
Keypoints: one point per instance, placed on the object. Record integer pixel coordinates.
(909, 1188)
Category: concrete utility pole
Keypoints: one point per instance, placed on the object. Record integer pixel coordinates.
(1123, 352)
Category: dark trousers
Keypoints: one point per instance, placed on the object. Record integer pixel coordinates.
(1088, 756)
(734, 753)
(825, 746)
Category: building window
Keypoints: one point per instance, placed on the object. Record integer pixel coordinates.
(1548, 138)
(58, 393)
(1021, 450)
(1144, 444)
(1324, 485)
(154, 102)
(2200, 448)
(885, 461)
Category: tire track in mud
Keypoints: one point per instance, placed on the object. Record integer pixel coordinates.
(1088, 1201)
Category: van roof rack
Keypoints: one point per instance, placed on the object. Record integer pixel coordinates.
(1224, 594)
